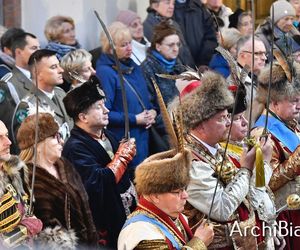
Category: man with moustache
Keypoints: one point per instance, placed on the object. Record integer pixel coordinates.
(46, 74)
(206, 123)
(17, 227)
(100, 160)
(282, 124)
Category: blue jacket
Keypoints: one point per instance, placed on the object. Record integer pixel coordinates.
(112, 88)
(220, 65)
(90, 160)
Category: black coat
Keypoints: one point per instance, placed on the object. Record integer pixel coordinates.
(198, 30)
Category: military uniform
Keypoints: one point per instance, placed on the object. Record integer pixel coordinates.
(11, 92)
(54, 105)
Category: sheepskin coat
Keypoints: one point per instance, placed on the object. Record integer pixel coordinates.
(63, 203)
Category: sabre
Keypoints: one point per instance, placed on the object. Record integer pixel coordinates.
(120, 75)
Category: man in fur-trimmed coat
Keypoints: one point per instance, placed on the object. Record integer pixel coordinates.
(206, 122)
(284, 109)
(13, 199)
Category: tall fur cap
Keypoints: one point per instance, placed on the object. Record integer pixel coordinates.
(281, 88)
(206, 100)
(47, 127)
(163, 172)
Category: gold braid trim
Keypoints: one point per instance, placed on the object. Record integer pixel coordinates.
(152, 245)
(195, 244)
(148, 213)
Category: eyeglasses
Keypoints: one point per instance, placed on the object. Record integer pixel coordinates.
(179, 191)
(58, 136)
(172, 45)
(257, 53)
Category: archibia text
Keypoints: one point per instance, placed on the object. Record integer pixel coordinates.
(285, 229)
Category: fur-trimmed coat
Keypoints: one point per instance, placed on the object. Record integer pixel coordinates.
(14, 172)
(63, 207)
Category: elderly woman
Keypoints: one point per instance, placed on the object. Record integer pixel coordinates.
(60, 33)
(77, 67)
(60, 200)
(140, 44)
(228, 41)
(162, 58)
(141, 115)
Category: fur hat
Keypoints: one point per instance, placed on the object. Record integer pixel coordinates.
(282, 8)
(234, 18)
(126, 17)
(206, 100)
(82, 97)
(281, 88)
(163, 172)
(240, 96)
(47, 127)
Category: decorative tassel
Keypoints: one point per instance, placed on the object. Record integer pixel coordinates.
(260, 171)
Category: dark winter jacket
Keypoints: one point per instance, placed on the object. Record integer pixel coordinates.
(198, 30)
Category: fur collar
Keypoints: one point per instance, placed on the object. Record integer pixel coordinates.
(13, 171)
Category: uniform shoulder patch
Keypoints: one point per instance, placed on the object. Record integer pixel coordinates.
(2, 95)
(21, 114)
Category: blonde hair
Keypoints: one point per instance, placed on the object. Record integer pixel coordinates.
(26, 155)
(118, 32)
(230, 37)
(73, 62)
(54, 29)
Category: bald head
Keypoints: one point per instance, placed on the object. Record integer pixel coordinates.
(4, 144)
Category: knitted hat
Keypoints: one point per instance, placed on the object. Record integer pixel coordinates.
(82, 97)
(126, 17)
(163, 172)
(282, 8)
(281, 88)
(206, 100)
(47, 127)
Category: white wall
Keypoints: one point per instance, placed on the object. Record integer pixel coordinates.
(36, 12)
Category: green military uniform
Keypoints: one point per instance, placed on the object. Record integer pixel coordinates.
(54, 105)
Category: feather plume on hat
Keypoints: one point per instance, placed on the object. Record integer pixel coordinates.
(169, 170)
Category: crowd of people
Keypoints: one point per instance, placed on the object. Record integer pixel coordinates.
(181, 133)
